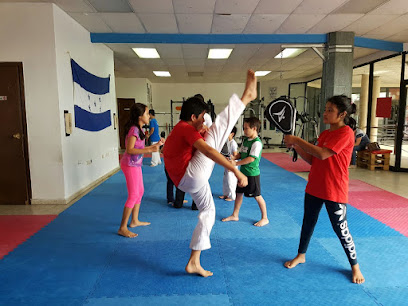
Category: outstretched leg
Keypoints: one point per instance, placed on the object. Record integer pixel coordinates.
(312, 207)
(338, 217)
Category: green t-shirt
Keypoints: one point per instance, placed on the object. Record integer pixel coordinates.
(253, 148)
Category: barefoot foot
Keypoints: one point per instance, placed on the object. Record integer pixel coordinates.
(192, 268)
(262, 222)
(222, 197)
(228, 199)
(138, 223)
(126, 233)
(230, 218)
(250, 88)
(357, 277)
(299, 259)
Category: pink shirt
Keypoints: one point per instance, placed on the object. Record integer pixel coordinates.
(133, 160)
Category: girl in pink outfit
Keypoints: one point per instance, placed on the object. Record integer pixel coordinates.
(131, 165)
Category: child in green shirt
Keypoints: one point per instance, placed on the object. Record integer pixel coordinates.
(249, 157)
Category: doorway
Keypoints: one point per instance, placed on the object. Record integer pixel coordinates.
(15, 185)
(123, 117)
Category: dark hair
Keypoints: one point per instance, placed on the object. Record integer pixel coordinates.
(136, 110)
(192, 106)
(253, 123)
(343, 104)
(234, 130)
(352, 123)
(152, 112)
(200, 96)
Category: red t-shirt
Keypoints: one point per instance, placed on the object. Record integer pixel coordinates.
(178, 150)
(329, 178)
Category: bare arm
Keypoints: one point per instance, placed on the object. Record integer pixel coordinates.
(131, 150)
(305, 156)
(321, 153)
(246, 160)
(214, 155)
(151, 131)
(358, 141)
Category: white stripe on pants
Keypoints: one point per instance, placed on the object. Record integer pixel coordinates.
(199, 169)
(155, 156)
(229, 184)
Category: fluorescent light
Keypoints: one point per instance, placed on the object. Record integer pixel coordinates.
(290, 52)
(162, 73)
(219, 53)
(146, 52)
(261, 73)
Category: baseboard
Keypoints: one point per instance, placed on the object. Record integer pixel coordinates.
(77, 195)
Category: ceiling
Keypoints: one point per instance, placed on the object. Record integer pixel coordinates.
(378, 19)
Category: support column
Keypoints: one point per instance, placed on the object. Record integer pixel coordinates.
(337, 68)
(363, 105)
(374, 119)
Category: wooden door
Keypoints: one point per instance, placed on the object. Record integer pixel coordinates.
(123, 117)
(15, 187)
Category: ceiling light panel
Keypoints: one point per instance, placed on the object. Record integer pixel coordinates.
(165, 74)
(219, 53)
(146, 52)
(261, 73)
(290, 52)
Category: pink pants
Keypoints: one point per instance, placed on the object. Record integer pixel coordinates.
(134, 184)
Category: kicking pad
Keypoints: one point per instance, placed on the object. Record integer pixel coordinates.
(282, 114)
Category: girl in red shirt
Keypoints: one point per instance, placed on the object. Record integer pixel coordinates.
(328, 180)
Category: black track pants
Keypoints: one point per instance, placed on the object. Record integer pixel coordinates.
(338, 217)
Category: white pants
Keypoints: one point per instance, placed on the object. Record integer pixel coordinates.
(199, 169)
(155, 157)
(229, 184)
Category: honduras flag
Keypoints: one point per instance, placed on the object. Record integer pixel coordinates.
(91, 100)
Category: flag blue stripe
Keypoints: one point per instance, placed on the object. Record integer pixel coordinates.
(90, 121)
(88, 81)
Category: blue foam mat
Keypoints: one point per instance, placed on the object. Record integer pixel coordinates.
(78, 259)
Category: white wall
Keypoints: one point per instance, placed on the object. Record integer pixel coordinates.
(27, 36)
(86, 155)
(39, 35)
(132, 88)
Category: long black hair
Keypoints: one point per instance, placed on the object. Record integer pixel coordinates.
(136, 110)
(343, 104)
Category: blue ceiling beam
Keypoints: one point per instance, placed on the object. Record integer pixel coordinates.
(378, 44)
(122, 38)
(226, 39)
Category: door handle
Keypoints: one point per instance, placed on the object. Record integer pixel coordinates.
(17, 136)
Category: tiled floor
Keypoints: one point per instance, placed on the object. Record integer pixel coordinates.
(395, 182)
